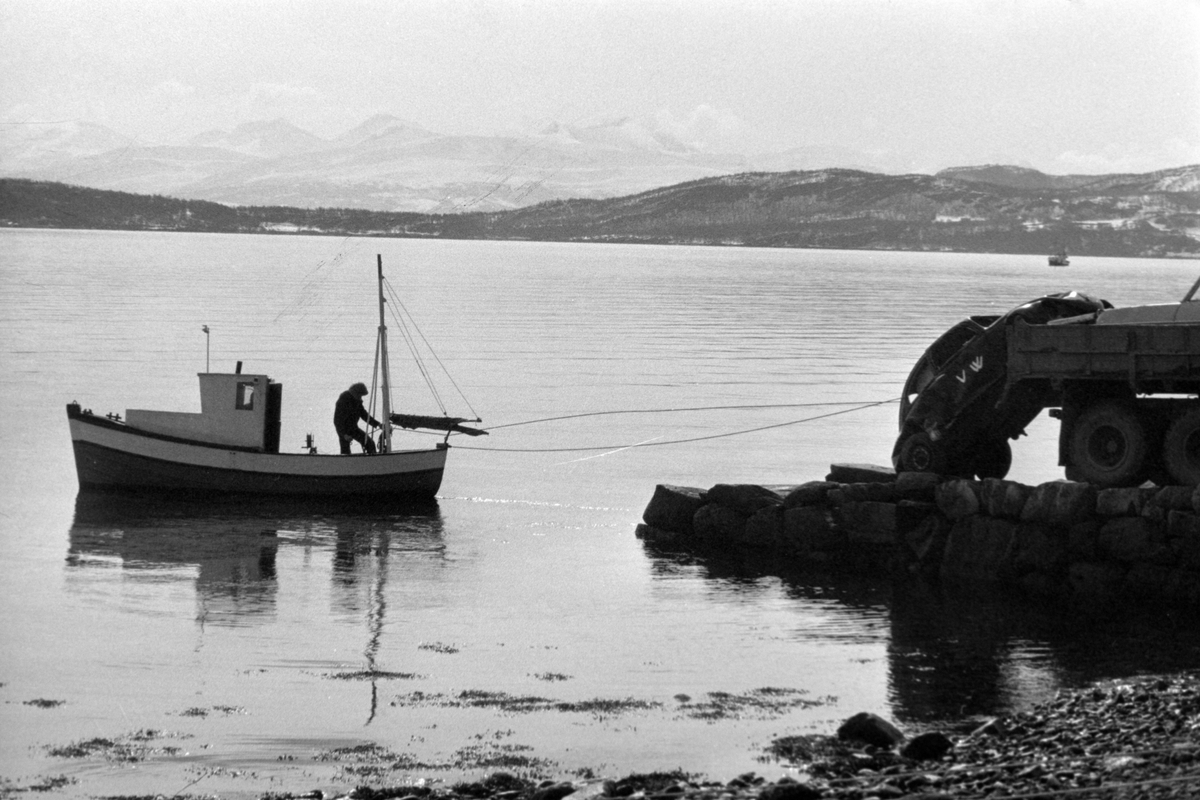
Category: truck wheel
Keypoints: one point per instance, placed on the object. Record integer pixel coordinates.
(920, 454)
(1181, 448)
(1108, 446)
(992, 459)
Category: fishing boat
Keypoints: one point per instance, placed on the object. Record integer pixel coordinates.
(232, 446)
(1060, 259)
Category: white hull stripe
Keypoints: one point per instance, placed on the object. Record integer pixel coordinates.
(293, 464)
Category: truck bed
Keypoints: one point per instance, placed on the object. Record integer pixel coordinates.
(1150, 358)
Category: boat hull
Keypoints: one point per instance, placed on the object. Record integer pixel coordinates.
(112, 456)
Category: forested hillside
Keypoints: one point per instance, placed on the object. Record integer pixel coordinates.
(971, 210)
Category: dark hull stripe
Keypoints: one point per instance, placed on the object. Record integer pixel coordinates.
(102, 467)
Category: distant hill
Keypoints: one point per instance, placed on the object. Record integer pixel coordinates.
(1157, 214)
(1174, 180)
(965, 210)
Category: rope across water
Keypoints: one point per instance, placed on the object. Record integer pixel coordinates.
(852, 408)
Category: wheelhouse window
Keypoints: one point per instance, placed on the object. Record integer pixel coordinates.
(245, 396)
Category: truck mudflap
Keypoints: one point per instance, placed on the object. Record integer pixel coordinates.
(958, 411)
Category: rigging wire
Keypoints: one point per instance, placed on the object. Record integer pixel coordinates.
(410, 332)
(410, 342)
(626, 446)
(396, 300)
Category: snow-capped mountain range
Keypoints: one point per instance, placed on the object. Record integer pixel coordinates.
(384, 164)
(388, 164)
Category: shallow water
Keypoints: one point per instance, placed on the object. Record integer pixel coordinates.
(266, 645)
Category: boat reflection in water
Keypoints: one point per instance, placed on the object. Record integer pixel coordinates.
(962, 655)
(231, 546)
(231, 550)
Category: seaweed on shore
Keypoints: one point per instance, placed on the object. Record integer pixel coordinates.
(40, 702)
(42, 784)
(375, 762)
(372, 675)
(200, 711)
(765, 702)
(131, 748)
(524, 704)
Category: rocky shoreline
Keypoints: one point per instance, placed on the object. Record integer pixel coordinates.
(1135, 740)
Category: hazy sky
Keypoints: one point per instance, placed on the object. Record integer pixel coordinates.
(1062, 85)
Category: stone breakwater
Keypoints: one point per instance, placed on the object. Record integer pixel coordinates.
(1061, 540)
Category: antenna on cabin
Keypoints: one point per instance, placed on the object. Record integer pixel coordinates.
(206, 343)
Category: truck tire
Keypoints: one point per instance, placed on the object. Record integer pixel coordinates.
(1108, 446)
(992, 459)
(1181, 448)
(919, 453)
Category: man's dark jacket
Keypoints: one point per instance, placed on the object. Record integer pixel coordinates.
(348, 411)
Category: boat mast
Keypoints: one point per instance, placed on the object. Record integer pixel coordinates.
(385, 405)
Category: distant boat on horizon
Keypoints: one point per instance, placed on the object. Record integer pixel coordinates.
(1060, 259)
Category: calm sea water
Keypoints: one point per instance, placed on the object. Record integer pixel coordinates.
(223, 646)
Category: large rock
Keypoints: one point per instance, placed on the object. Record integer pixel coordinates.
(1183, 589)
(1122, 502)
(553, 791)
(764, 528)
(868, 522)
(648, 533)
(1182, 524)
(745, 498)
(870, 729)
(958, 498)
(917, 486)
(912, 513)
(1083, 541)
(1039, 548)
(863, 492)
(1175, 498)
(809, 494)
(1130, 539)
(1042, 585)
(927, 747)
(860, 473)
(1061, 503)
(673, 507)
(979, 549)
(810, 529)
(1187, 547)
(715, 523)
(1147, 582)
(787, 789)
(1000, 498)
(928, 543)
(1091, 580)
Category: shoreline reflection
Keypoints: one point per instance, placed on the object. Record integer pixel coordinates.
(958, 655)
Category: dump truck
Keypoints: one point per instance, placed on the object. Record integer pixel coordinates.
(1124, 384)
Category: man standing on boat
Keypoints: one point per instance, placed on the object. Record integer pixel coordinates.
(346, 414)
